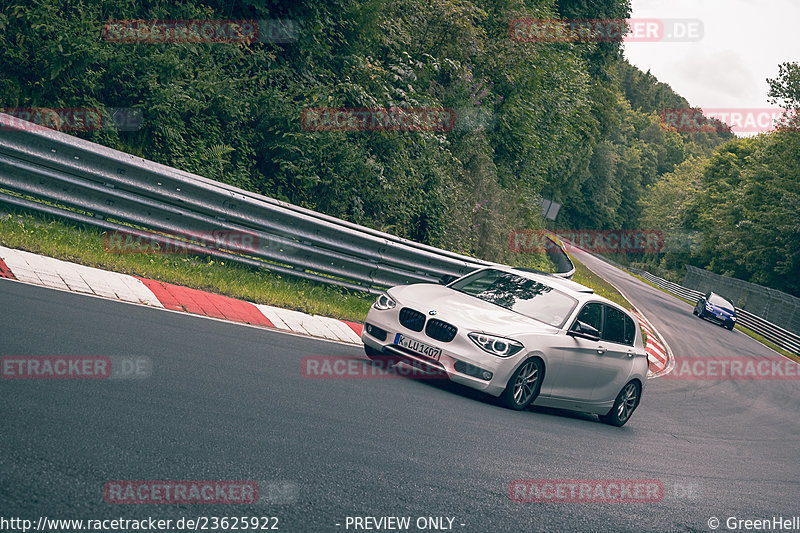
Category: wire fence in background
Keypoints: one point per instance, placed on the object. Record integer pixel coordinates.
(778, 307)
(770, 331)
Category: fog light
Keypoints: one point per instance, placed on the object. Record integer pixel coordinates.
(472, 370)
(375, 331)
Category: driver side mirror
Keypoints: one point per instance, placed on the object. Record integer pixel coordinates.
(584, 330)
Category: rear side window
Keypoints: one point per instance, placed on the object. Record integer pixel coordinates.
(619, 327)
(630, 330)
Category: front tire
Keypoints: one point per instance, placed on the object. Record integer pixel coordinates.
(699, 309)
(524, 385)
(626, 403)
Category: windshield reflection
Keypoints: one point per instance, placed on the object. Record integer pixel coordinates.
(519, 294)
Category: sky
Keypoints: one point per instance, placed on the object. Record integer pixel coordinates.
(741, 44)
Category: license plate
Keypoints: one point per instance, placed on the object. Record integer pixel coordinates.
(418, 347)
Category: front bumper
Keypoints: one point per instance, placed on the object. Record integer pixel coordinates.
(459, 359)
(722, 319)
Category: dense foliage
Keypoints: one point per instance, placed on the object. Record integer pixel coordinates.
(737, 213)
(572, 122)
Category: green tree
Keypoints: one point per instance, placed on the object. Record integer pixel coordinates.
(785, 90)
(747, 211)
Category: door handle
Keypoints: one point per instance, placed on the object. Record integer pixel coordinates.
(601, 350)
(630, 353)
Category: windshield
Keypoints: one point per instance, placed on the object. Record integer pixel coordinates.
(719, 301)
(519, 294)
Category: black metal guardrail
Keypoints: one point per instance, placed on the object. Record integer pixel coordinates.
(775, 306)
(63, 176)
(783, 338)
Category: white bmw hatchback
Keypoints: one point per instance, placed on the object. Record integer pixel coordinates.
(525, 337)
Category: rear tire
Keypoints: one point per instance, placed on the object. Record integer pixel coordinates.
(626, 403)
(524, 385)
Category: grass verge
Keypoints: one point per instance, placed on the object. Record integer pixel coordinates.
(85, 246)
(584, 276)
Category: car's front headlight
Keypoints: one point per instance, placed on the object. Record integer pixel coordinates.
(384, 303)
(499, 346)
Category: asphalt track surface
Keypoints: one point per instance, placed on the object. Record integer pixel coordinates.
(228, 402)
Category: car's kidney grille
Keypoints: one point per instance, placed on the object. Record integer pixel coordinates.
(413, 320)
(441, 331)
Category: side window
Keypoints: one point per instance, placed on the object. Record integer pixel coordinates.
(630, 331)
(592, 314)
(614, 329)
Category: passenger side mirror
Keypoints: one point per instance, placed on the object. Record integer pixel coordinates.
(584, 330)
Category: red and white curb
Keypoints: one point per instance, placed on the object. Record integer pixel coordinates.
(660, 362)
(54, 273)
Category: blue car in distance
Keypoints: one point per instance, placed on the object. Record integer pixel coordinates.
(717, 309)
